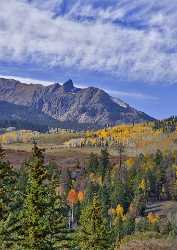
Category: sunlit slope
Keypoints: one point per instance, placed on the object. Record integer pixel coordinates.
(137, 136)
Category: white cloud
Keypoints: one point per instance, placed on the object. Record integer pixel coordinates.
(46, 5)
(134, 95)
(30, 33)
(26, 80)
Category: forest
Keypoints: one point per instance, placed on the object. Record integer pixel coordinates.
(98, 205)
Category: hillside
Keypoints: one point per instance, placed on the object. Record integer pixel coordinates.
(89, 107)
(22, 117)
(144, 137)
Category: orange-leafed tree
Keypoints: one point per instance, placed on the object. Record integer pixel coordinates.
(72, 199)
(81, 196)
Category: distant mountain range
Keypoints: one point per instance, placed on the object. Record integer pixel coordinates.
(63, 106)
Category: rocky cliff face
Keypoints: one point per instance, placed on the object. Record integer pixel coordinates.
(67, 103)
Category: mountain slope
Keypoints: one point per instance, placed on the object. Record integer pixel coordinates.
(24, 117)
(67, 103)
(21, 117)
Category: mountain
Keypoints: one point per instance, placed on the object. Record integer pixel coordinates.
(88, 107)
(21, 117)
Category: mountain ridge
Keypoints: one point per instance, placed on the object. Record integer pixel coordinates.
(67, 103)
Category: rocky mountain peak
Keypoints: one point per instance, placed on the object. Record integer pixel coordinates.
(68, 86)
(66, 103)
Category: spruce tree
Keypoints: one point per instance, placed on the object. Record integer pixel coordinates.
(59, 234)
(105, 199)
(8, 221)
(104, 164)
(43, 222)
(93, 232)
(93, 164)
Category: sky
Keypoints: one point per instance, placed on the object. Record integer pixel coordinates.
(126, 47)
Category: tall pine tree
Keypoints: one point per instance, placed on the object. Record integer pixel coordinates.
(104, 164)
(8, 221)
(93, 232)
(43, 221)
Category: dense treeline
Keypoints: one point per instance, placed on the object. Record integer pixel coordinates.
(168, 125)
(19, 124)
(43, 127)
(93, 207)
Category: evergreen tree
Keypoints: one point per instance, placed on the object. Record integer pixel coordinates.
(104, 164)
(93, 163)
(120, 194)
(66, 180)
(93, 232)
(91, 189)
(105, 200)
(59, 234)
(121, 150)
(43, 223)
(160, 172)
(8, 221)
(7, 181)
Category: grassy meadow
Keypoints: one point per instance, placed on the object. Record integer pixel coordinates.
(61, 146)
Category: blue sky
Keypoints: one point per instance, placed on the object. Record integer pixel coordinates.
(127, 47)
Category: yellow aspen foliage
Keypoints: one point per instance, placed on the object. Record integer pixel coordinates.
(120, 211)
(112, 212)
(140, 136)
(130, 162)
(153, 218)
(104, 134)
(88, 134)
(93, 142)
(23, 136)
(142, 184)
